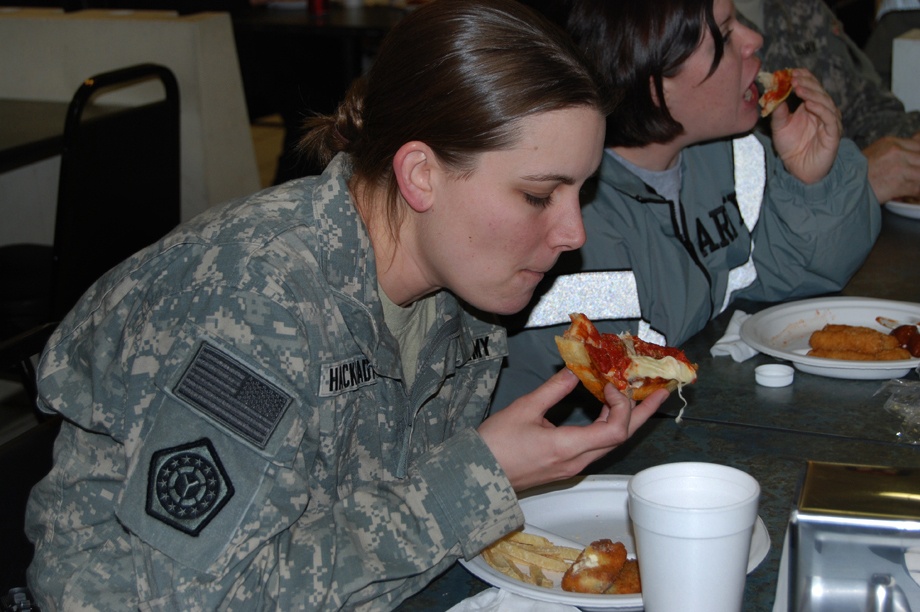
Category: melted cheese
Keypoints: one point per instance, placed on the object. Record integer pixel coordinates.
(680, 415)
(668, 368)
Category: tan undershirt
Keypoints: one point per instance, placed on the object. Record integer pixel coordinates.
(409, 326)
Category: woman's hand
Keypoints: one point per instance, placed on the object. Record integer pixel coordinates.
(533, 451)
(807, 140)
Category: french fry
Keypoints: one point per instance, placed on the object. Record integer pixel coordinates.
(523, 537)
(542, 546)
(497, 560)
(565, 553)
(539, 578)
(523, 554)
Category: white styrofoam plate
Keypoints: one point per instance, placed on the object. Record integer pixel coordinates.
(783, 331)
(592, 508)
(905, 209)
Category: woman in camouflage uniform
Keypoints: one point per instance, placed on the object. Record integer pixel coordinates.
(280, 405)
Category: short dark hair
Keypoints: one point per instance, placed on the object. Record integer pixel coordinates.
(634, 45)
(458, 75)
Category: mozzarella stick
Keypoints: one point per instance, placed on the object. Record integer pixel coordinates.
(847, 338)
(886, 355)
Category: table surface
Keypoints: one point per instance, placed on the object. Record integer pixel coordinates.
(32, 130)
(769, 433)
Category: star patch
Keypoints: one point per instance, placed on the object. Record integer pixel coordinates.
(187, 486)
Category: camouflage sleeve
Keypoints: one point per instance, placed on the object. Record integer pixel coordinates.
(455, 494)
(807, 34)
(178, 494)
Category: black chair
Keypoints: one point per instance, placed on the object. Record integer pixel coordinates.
(118, 191)
(16, 355)
(24, 460)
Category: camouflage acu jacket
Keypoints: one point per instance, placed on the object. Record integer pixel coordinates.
(238, 436)
(806, 34)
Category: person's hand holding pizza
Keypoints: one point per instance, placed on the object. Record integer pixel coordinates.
(807, 139)
(533, 451)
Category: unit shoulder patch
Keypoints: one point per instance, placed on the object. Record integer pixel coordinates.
(187, 486)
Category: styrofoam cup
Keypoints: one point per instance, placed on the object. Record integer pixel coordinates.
(693, 524)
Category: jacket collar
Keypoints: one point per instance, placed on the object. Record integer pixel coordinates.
(618, 177)
(348, 262)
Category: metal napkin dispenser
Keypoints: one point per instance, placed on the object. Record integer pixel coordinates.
(854, 538)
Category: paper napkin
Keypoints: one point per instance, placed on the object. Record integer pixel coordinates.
(731, 344)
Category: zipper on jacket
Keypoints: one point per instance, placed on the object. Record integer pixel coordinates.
(420, 391)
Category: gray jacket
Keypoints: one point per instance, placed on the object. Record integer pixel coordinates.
(663, 271)
(238, 436)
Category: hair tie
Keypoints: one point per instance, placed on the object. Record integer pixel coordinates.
(339, 137)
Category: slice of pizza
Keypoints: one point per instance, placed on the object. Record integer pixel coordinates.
(776, 88)
(635, 367)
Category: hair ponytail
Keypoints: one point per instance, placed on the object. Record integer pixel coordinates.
(327, 135)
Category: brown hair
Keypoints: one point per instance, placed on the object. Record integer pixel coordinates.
(457, 75)
(633, 43)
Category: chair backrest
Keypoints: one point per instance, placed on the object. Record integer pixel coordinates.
(119, 186)
(16, 355)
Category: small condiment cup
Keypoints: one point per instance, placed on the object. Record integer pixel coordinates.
(774, 375)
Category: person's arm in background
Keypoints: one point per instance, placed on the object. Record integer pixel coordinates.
(811, 238)
(807, 34)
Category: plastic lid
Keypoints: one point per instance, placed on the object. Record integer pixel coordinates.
(774, 375)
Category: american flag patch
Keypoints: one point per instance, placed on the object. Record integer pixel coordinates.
(226, 390)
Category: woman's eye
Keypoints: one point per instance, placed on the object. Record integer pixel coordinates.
(538, 200)
(726, 37)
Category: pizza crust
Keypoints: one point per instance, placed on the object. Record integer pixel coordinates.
(777, 86)
(576, 359)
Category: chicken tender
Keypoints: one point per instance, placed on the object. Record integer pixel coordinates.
(596, 568)
(852, 338)
(627, 581)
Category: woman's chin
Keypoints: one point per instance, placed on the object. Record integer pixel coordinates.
(502, 306)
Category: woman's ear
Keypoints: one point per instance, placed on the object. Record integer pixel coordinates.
(653, 91)
(413, 165)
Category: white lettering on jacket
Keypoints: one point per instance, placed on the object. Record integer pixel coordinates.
(347, 375)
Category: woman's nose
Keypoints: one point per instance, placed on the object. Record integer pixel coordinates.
(754, 40)
(570, 227)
